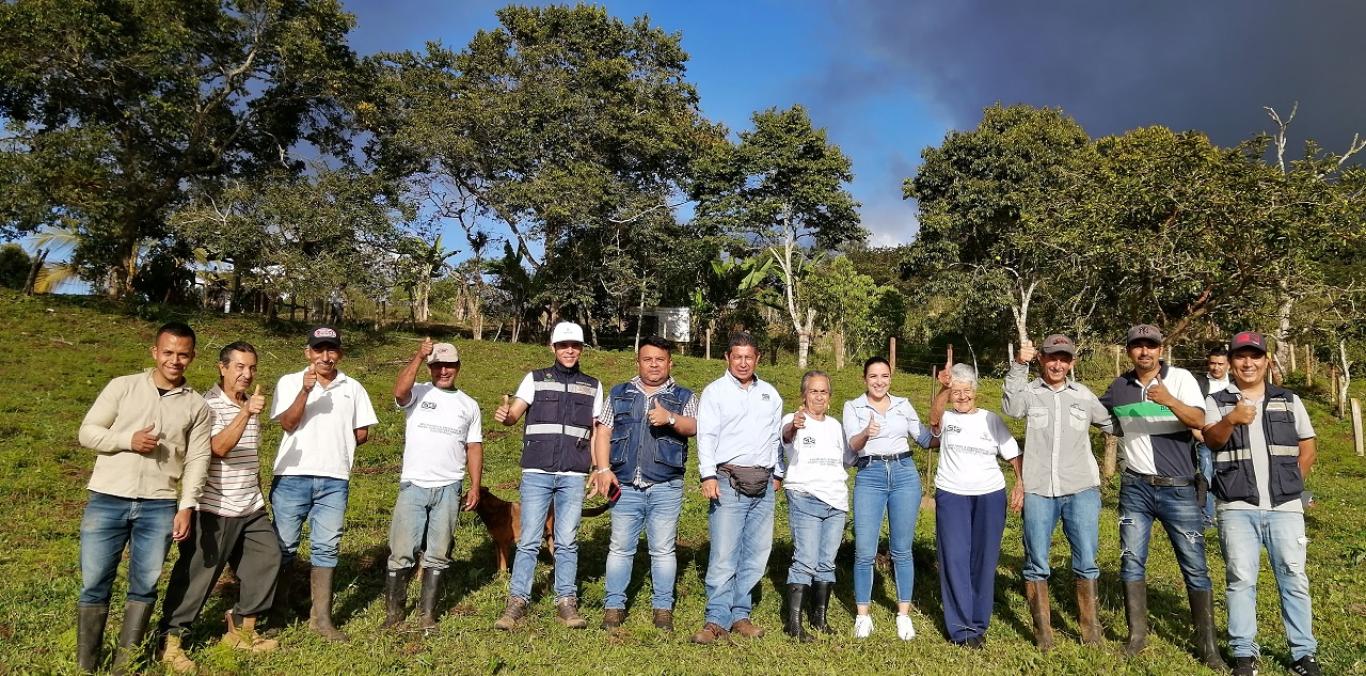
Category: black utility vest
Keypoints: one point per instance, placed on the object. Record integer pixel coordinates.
(1234, 477)
(559, 422)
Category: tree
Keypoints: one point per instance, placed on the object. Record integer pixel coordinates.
(723, 285)
(857, 310)
(14, 266)
(781, 189)
(115, 109)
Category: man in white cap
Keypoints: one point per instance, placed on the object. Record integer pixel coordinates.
(560, 404)
(442, 437)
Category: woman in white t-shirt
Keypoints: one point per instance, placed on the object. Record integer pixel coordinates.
(970, 506)
(813, 472)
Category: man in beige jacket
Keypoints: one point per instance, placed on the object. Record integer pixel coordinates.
(149, 431)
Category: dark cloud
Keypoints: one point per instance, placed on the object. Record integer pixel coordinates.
(1117, 64)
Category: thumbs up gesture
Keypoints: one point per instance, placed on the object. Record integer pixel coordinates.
(873, 428)
(1159, 394)
(1027, 352)
(310, 378)
(257, 402)
(658, 415)
(1242, 414)
(799, 419)
(145, 439)
(502, 412)
(424, 349)
(943, 375)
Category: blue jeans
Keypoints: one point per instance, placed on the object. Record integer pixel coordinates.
(817, 529)
(322, 502)
(538, 491)
(1139, 505)
(1244, 532)
(1080, 514)
(654, 510)
(111, 523)
(741, 530)
(424, 519)
(968, 536)
(892, 488)
(1205, 458)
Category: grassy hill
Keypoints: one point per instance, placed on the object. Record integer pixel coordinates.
(58, 353)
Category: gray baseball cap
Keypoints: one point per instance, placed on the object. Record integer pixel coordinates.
(443, 353)
(1144, 332)
(1058, 343)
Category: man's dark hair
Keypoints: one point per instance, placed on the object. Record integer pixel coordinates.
(656, 341)
(177, 329)
(225, 354)
(741, 339)
(875, 360)
(1217, 351)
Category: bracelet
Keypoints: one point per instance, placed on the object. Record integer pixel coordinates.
(602, 470)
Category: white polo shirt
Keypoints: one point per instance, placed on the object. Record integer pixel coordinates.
(324, 443)
(440, 424)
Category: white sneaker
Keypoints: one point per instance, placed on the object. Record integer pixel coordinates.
(863, 626)
(904, 630)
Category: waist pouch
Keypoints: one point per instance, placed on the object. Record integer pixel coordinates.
(1201, 489)
(748, 481)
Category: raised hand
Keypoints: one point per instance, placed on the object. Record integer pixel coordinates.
(1242, 414)
(257, 402)
(1027, 352)
(1159, 394)
(145, 439)
(424, 349)
(944, 374)
(799, 419)
(873, 428)
(657, 414)
(310, 378)
(502, 412)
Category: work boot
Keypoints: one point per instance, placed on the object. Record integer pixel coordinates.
(664, 619)
(567, 613)
(820, 602)
(792, 621)
(90, 621)
(136, 615)
(395, 596)
(1136, 612)
(513, 612)
(242, 634)
(612, 618)
(173, 656)
(1202, 616)
(320, 615)
(431, 591)
(746, 628)
(1087, 612)
(1036, 593)
(710, 633)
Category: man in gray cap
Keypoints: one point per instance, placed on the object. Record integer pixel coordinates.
(443, 436)
(1059, 479)
(1155, 407)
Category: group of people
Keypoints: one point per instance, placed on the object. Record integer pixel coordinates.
(630, 445)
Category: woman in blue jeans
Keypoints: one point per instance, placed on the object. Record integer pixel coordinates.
(813, 471)
(879, 427)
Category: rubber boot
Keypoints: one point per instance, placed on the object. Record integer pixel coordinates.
(320, 616)
(1136, 611)
(136, 615)
(792, 621)
(820, 603)
(431, 591)
(1202, 616)
(173, 657)
(90, 621)
(396, 596)
(1036, 593)
(1088, 594)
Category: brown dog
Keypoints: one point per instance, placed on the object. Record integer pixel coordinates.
(503, 519)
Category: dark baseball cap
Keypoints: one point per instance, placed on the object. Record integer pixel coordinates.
(1250, 339)
(1058, 343)
(324, 335)
(1144, 332)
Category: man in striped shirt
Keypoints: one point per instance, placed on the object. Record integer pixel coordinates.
(231, 525)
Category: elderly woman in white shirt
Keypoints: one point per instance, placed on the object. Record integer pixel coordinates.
(880, 427)
(970, 505)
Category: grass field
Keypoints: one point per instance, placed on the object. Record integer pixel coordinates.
(58, 353)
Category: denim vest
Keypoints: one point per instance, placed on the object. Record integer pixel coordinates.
(658, 452)
(1234, 477)
(559, 422)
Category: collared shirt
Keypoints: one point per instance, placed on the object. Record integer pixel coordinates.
(738, 425)
(899, 425)
(234, 485)
(1057, 454)
(324, 443)
(181, 422)
(1153, 439)
(605, 417)
(1261, 461)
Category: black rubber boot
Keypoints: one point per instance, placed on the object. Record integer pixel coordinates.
(1202, 616)
(1136, 610)
(792, 621)
(90, 621)
(396, 596)
(136, 615)
(820, 603)
(431, 591)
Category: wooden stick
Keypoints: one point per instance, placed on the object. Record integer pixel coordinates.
(891, 353)
(1111, 455)
(1116, 349)
(1356, 427)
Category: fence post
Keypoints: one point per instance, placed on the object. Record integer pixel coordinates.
(1337, 401)
(1293, 365)
(1356, 426)
(1308, 366)
(1111, 455)
(1116, 350)
(891, 353)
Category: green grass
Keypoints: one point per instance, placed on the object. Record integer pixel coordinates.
(57, 353)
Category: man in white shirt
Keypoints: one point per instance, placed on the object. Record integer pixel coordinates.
(325, 416)
(443, 436)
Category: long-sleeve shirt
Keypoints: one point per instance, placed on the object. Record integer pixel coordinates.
(182, 424)
(898, 426)
(1057, 454)
(738, 425)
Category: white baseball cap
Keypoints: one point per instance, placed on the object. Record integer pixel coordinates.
(566, 332)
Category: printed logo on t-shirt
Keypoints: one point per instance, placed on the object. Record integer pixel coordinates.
(429, 405)
(952, 429)
(763, 397)
(808, 441)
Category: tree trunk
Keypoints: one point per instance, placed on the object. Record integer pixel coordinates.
(1020, 309)
(804, 338)
(39, 258)
(1283, 347)
(640, 314)
(1346, 365)
(839, 349)
(711, 328)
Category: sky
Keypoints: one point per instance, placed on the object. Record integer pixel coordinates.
(887, 78)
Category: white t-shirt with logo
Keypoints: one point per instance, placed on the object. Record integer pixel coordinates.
(324, 443)
(968, 449)
(440, 424)
(815, 461)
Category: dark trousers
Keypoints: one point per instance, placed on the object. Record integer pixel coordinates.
(248, 543)
(968, 534)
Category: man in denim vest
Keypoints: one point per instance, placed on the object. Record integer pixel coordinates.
(640, 449)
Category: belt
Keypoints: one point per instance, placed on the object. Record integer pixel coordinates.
(1163, 481)
(888, 458)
